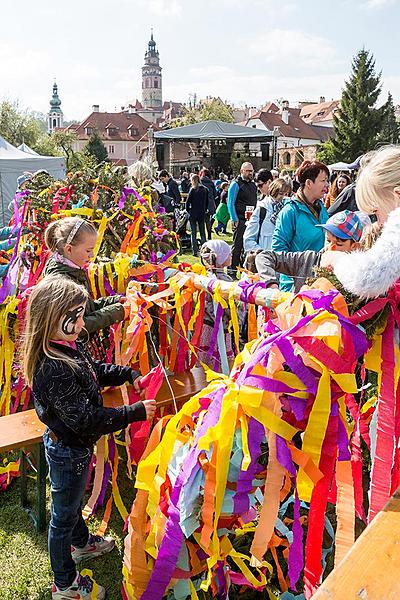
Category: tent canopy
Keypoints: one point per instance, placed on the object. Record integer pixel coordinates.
(13, 163)
(339, 166)
(213, 130)
(25, 148)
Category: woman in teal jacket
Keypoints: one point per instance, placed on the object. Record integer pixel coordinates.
(295, 229)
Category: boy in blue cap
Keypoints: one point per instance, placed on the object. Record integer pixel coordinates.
(343, 233)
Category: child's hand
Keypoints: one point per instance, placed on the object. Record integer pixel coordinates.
(137, 385)
(127, 309)
(150, 406)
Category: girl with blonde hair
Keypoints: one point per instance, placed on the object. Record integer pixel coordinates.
(66, 384)
(72, 241)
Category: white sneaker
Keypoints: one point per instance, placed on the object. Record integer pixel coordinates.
(96, 546)
(83, 588)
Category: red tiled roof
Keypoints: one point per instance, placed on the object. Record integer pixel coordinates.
(122, 122)
(120, 162)
(317, 113)
(296, 128)
(270, 107)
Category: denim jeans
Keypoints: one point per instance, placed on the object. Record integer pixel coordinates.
(68, 471)
(194, 224)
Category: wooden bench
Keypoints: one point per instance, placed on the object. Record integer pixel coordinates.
(23, 431)
(370, 570)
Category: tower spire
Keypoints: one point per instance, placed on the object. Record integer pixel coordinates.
(151, 77)
(55, 115)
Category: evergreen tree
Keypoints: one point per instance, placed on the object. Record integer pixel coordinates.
(390, 130)
(96, 148)
(358, 121)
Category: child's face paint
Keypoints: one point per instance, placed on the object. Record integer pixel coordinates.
(72, 323)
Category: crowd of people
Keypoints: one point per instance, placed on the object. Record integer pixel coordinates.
(281, 231)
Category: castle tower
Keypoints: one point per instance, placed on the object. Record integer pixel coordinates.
(55, 115)
(151, 77)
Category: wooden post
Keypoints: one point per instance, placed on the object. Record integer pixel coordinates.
(370, 570)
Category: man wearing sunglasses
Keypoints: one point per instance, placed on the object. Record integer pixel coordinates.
(242, 193)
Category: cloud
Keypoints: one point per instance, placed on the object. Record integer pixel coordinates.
(377, 4)
(286, 47)
(163, 8)
(257, 89)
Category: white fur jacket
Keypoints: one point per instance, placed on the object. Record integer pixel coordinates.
(372, 273)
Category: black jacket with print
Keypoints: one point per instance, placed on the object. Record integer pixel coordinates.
(68, 400)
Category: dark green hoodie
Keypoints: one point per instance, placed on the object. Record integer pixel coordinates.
(99, 313)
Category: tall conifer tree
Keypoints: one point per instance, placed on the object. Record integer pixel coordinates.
(390, 128)
(358, 121)
(96, 148)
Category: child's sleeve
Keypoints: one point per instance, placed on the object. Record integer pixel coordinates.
(104, 317)
(109, 374)
(299, 264)
(70, 404)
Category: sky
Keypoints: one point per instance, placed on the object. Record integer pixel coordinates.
(244, 52)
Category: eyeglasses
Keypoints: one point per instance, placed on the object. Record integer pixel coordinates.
(260, 184)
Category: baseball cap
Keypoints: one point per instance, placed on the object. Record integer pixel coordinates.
(345, 225)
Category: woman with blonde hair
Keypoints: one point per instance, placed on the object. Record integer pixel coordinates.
(372, 273)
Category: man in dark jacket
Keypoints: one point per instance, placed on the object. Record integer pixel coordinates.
(171, 187)
(242, 193)
(185, 183)
(205, 179)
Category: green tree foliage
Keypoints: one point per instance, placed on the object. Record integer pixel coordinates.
(213, 109)
(357, 123)
(326, 152)
(96, 148)
(18, 126)
(390, 129)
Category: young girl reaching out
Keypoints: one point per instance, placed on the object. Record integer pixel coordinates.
(66, 388)
(72, 241)
(215, 255)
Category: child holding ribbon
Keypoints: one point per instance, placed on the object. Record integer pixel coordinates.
(216, 350)
(66, 387)
(72, 241)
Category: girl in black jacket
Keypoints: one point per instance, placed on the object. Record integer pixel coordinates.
(66, 388)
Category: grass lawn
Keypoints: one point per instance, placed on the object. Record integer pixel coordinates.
(25, 572)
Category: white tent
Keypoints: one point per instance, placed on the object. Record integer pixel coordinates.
(25, 148)
(13, 163)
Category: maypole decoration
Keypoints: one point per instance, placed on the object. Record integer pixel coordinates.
(131, 233)
(261, 453)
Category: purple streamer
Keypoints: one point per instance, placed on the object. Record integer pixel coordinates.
(284, 456)
(241, 502)
(296, 557)
(213, 341)
(6, 287)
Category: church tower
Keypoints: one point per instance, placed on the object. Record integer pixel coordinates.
(151, 78)
(55, 116)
